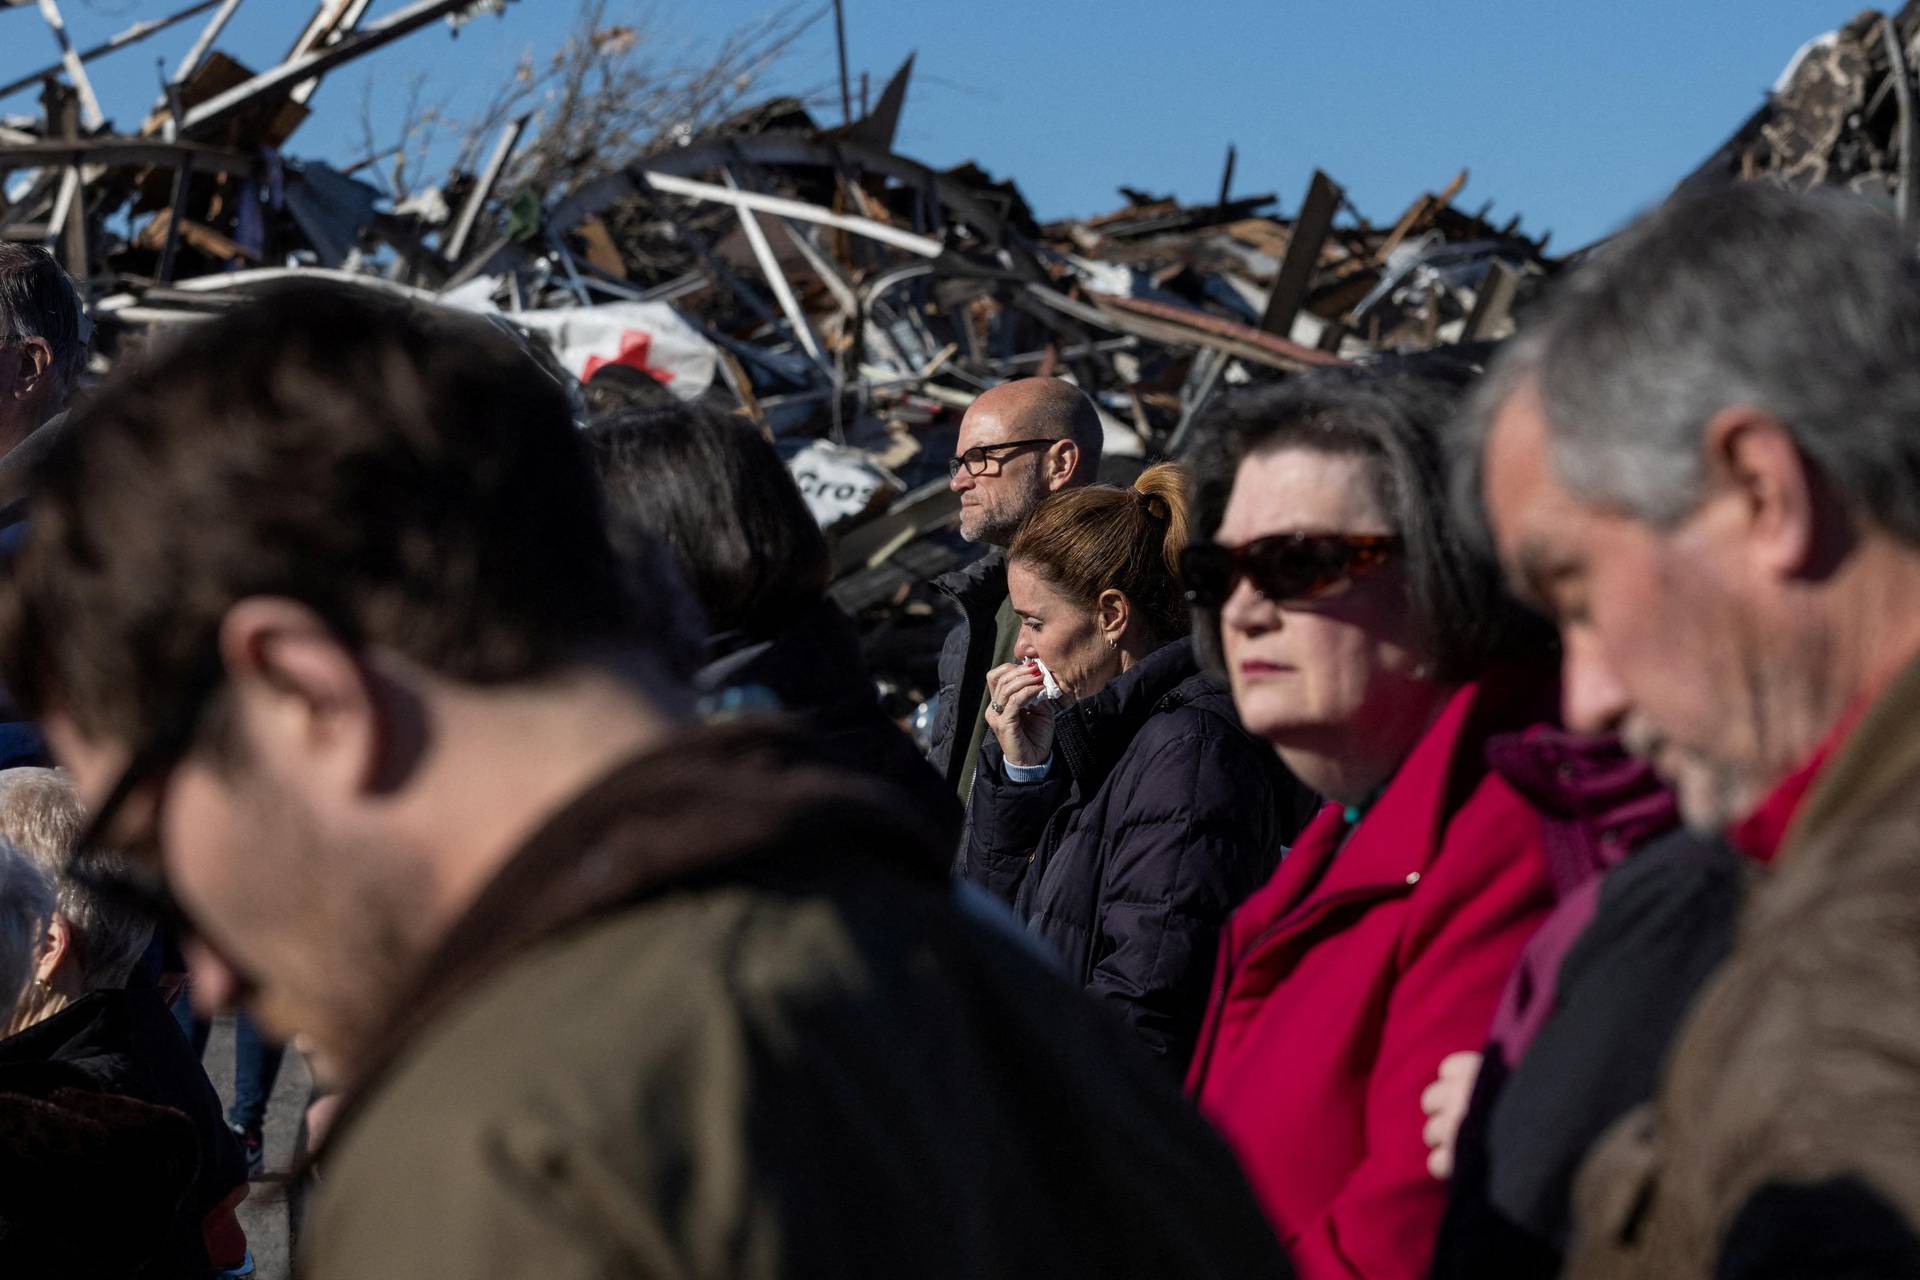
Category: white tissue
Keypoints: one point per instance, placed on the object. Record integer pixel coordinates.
(1050, 687)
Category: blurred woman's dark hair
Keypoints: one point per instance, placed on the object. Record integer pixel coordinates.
(1396, 421)
(615, 387)
(713, 489)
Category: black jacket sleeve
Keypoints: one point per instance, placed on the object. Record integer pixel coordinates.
(1005, 822)
(1196, 833)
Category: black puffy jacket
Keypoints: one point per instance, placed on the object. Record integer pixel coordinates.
(1161, 813)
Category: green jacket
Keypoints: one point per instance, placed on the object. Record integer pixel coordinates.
(1785, 1138)
(725, 1016)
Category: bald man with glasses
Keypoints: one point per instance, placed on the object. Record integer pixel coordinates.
(1018, 443)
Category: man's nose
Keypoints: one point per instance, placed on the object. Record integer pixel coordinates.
(959, 481)
(1592, 699)
(217, 984)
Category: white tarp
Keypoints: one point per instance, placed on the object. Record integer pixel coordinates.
(648, 336)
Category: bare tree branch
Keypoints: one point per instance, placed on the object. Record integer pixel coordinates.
(611, 93)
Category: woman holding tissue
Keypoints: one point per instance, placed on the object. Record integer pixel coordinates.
(1124, 818)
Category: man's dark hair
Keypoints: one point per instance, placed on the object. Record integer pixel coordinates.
(407, 472)
(38, 300)
(1394, 421)
(714, 490)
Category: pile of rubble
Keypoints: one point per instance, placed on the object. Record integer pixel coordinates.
(1842, 113)
(834, 287)
(847, 298)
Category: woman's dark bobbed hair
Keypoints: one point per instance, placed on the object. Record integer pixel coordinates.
(713, 489)
(1396, 420)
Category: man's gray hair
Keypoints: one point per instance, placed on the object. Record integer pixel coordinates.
(26, 903)
(41, 814)
(1806, 306)
(38, 300)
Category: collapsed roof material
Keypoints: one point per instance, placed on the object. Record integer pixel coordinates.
(850, 300)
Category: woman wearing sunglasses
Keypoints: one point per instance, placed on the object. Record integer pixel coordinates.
(1124, 819)
(1373, 648)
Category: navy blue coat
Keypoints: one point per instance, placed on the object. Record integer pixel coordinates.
(1160, 814)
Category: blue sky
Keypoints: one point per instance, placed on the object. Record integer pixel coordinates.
(1573, 114)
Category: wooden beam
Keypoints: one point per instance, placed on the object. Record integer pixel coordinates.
(282, 80)
(70, 60)
(1296, 272)
(483, 187)
(925, 246)
(777, 280)
(69, 221)
(132, 35)
(176, 216)
(121, 151)
(191, 60)
(1494, 303)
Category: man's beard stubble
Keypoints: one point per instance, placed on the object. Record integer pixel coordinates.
(351, 936)
(997, 524)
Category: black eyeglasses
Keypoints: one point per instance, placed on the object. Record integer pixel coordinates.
(975, 459)
(142, 887)
(1282, 566)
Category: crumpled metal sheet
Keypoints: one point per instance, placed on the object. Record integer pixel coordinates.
(1827, 85)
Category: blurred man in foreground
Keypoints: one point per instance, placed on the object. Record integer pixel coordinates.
(319, 609)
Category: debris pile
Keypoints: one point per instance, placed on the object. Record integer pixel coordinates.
(849, 299)
(1842, 113)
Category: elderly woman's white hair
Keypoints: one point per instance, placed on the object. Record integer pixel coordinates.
(41, 813)
(26, 902)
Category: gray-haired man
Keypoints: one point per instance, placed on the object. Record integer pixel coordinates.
(1705, 464)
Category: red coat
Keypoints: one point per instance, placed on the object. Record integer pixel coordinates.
(1345, 981)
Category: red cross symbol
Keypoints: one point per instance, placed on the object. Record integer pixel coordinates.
(634, 347)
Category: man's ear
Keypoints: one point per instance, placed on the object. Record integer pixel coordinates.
(300, 692)
(56, 947)
(1752, 457)
(29, 365)
(1062, 464)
